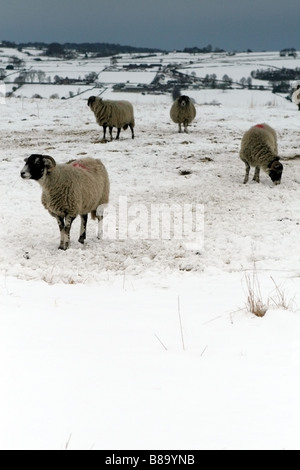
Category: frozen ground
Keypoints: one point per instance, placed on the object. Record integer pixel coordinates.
(91, 343)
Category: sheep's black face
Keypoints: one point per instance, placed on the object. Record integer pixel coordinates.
(91, 101)
(183, 101)
(34, 168)
(275, 171)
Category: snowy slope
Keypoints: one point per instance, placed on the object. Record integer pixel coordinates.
(91, 343)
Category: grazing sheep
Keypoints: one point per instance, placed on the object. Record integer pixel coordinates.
(259, 149)
(183, 111)
(78, 187)
(112, 114)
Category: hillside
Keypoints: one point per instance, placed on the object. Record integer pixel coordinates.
(29, 72)
(143, 340)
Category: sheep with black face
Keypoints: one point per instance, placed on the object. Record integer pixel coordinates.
(111, 113)
(183, 112)
(259, 149)
(78, 187)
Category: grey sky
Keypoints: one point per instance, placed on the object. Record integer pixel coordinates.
(165, 24)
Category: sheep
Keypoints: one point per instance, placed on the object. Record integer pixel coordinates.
(296, 93)
(183, 111)
(109, 113)
(259, 149)
(75, 188)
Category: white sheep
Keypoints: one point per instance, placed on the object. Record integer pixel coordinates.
(110, 113)
(183, 111)
(259, 149)
(75, 188)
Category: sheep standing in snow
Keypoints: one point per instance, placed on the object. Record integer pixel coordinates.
(183, 111)
(110, 113)
(259, 149)
(296, 93)
(71, 189)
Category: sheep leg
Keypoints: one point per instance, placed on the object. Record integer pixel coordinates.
(65, 227)
(104, 131)
(118, 133)
(179, 128)
(132, 131)
(256, 174)
(61, 225)
(68, 224)
(84, 219)
(99, 215)
(110, 133)
(247, 173)
(185, 124)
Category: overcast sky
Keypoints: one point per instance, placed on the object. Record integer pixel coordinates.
(164, 24)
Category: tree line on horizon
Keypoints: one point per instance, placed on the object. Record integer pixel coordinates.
(100, 49)
(57, 49)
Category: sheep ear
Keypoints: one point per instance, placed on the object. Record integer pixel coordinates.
(276, 160)
(49, 162)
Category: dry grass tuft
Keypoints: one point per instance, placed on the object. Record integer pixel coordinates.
(281, 299)
(255, 303)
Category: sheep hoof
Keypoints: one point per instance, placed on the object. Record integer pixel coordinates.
(63, 247)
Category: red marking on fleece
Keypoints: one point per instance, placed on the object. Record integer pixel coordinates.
(261, 126)
(79, 165)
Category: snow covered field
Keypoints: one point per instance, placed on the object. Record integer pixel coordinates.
(146, 344)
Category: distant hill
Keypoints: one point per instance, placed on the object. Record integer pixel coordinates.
(108, 49)
(99, 48)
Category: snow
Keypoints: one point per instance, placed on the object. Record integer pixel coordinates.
(132, 77)
(146, 344)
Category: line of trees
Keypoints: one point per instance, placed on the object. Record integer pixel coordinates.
(38, 76)
(205, 50)
(67, 50)
(273, 75)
